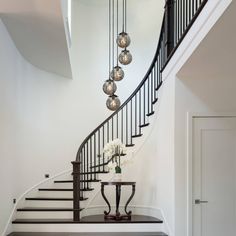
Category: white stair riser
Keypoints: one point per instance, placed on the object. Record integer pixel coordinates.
(44, 215)
(66, 204)
(88, 227)
(57, 194)
(60, 194)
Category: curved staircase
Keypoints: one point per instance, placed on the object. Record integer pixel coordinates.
(62, 202)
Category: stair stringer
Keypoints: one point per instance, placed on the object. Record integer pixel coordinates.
(32, 190)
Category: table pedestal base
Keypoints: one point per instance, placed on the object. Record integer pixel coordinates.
(117, 217)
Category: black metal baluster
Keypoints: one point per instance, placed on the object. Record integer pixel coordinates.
(193, 2)
(126, 123)
(148, 96)
(99, 151)
(158, 68)
(189, 11)
(84, 162)
(108, 132)
(131, 120)
(177, 21)
(152, 90)
(162, 53)
(122, 125)
(196, 6)
(135, 114)
(91, 157)
(112, 128)
(155, 79)
(186, 13)
(181, 16)
(88, 169)
(103, 144)
(140, 112)
(81, 170)
(94, 154)
(144, 104)
(117, 125)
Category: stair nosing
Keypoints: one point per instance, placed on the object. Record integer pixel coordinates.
(43, 209)
(63, 189)
(150, 113)
(71, 181)
(144, 125)
(51, 199)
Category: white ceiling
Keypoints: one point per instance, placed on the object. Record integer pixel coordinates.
(37, 29)
(216, 55)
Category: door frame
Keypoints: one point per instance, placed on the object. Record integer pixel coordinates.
(189, 151)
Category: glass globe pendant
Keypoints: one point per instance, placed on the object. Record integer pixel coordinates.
(125, 57)
(113, 102)
(117, 73)
(123, 40)
(109, 87)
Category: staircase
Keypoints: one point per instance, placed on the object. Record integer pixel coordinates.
(62, 202)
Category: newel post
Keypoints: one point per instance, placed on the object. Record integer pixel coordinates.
(76, 190)
(170, 25)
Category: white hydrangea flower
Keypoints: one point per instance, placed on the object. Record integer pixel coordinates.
(115, 148)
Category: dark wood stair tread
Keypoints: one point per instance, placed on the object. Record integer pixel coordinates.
(88, 234)
(150, 113)
(71, 181)
(130, 145)
(94, 172)
(159, 85)
(47, 209)
(52, 199)
(94, 219)
(154, 101)
(64, 189)
(144, 125)
(137, 135)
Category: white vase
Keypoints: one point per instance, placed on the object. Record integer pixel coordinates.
(117, 177)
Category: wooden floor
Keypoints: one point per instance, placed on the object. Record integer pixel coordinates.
(88, 234)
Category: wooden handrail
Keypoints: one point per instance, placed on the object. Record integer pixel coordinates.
(129, 119)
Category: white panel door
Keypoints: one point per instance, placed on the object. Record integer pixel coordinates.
(214, 176)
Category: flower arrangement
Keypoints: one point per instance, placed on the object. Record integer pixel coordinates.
(113, 151)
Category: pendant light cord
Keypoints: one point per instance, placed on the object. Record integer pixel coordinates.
(123, 15)
(117, 30)
(126, 16)
(109, 53)
(113, 34)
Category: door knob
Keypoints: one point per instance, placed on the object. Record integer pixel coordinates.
(198, 201)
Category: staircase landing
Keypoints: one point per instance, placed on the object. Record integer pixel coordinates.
(88, 234)
(93, 219)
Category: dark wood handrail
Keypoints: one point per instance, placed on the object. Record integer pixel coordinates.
(129, 98)
(129, 119)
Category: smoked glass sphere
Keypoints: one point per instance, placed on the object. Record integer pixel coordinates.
(113, 102)
(109, 87)
(117, 73)
(123, 40)
(125, 57)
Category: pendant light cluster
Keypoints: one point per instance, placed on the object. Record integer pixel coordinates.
(122, 40)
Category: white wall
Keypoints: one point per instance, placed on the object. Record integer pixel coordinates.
(45, 117)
